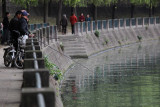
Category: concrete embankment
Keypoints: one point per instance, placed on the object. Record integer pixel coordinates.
(83, 46)
(88, 44)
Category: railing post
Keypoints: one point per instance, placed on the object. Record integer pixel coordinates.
(154, 21)
(149, 20)
(86, 27)
(119, 24)
(107, 26)
(96, 22)
(91, 26)
(51, 33)
(44, 37)
(48, 34)
(41, 37)
(130, 22)
(56, 33)
(81, 27)
(101, 24)
(37, 34)
(143, 22)
(124, 25)
(136, 22)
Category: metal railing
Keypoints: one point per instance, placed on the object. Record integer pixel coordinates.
(85, 27)
(35, 90)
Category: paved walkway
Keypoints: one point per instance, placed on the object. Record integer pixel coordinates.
(10, 84)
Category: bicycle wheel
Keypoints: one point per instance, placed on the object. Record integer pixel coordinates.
(19, 61)
(7, 58)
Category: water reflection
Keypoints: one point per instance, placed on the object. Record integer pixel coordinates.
(126, 77)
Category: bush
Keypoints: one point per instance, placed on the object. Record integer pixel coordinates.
(97, 33)
(119, 42)
(139, 38)
(53, 69)
(61, 46)
(106, 41)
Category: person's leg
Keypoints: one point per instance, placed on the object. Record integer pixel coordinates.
(72, 29)
(65, 29)
(3, 36)
(62, 29)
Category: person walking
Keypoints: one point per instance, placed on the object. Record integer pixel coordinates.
(64, 24)
(73, 20)
(88, 18)
(81, 18)
(5, 36)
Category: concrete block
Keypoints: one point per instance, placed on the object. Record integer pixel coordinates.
(29, 63)
(30, 43)
(29, 54)
(29, 97)
(29, 47)
(29, 79)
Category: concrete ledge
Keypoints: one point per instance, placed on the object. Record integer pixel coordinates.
(30, 43)
(29, 97)
(29, 47)
(29, 54)
(29, 63)
(30, 80)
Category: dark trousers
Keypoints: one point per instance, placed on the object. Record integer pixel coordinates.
(72, 29)
(5, 36)
(64, 29)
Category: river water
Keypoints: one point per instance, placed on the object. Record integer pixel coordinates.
(122, 77)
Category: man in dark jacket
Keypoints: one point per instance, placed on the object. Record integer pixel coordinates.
(24, 24)
(64, 24)
(5, 36)
(15, 26)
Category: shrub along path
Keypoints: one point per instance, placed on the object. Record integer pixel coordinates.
(10, 84)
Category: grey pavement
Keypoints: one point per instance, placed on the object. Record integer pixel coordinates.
(10, 84)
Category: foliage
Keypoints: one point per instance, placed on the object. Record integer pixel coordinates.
(139, 38)
(97, 33)
(106, 41)
(146, 2)
(54, 70)
(61, 46)
(24, 3)
(119, 42)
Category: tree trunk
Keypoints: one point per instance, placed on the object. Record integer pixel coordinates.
(59, 15)
(3, 8)
(132, 10)
(153, 10)
(28, 8)
(95, 13)
(45, 20)
(113, 11)
(150, 9)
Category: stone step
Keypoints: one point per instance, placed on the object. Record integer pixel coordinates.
(76, 52)
(74, 48)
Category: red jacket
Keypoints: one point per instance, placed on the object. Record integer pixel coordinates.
(73, 19)
(81, 18)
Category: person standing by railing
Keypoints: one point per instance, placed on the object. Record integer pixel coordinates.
(73, 20)
(88, 18)
(81, 18)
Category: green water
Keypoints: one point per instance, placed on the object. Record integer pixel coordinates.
(123, 77)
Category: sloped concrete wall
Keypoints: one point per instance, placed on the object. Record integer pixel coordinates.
(56, 56)
(119, 37)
